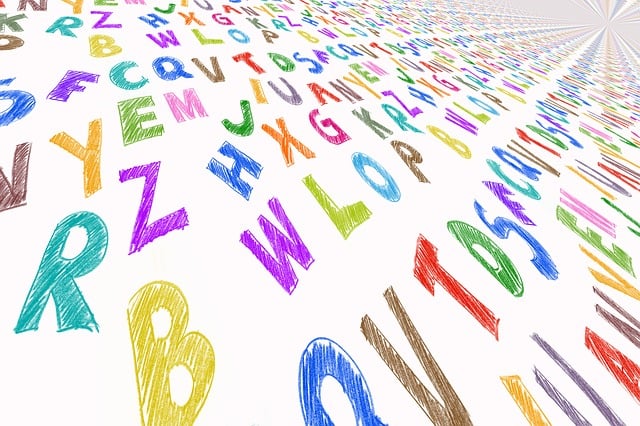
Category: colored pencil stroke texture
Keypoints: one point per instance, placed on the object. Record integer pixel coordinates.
(459, 70)
(156, 355)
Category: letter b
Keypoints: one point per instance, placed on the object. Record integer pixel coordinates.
(155, 356)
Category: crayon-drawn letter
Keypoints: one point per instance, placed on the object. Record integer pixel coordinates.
(143, 232)
(56, 276)
(324, 357)
(525, 401)
(89, 155)
(504, 271)
(231, 176)
(14, 194)
(429, 272)
(451, 411)
(155, 356)
(280, 266)
(22, 103)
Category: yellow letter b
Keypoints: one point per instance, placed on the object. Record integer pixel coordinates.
(155, 356)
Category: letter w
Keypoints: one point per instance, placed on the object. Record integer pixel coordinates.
(280, 266)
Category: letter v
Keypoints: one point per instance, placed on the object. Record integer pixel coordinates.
(453, 412)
